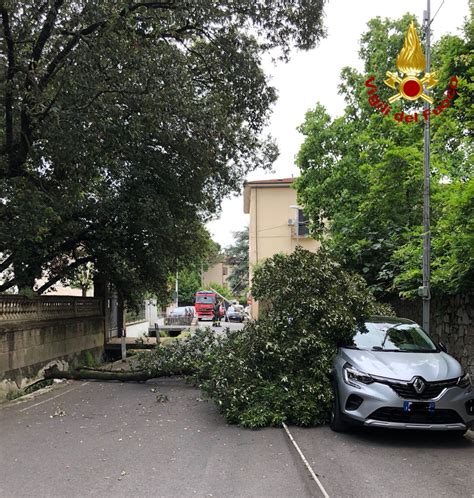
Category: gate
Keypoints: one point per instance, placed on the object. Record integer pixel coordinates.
(111, 316)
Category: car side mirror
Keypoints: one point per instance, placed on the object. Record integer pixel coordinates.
(442, 347)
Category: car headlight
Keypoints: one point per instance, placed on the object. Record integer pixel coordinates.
(464, 381)
(352, 376)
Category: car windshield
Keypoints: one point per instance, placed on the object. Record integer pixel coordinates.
(407, 337)
(203, 299)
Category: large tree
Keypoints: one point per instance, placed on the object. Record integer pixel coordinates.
(238, 256)
(362, 173)
(124, 124)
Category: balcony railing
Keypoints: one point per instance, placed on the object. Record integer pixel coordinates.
(19, 308)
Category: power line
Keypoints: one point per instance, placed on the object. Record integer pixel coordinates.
(439, 8)
(271, 228)
(301, 223)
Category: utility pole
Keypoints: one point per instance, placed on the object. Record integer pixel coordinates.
(425, 290)
(176, 289)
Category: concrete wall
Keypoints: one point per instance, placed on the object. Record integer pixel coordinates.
(137, 329)
(451, 322)
(29, 344)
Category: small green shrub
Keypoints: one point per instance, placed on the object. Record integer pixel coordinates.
(88, 359)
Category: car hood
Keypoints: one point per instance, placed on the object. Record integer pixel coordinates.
(404, 366)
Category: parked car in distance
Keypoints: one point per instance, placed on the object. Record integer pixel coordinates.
(235, 313)
(395, 376)
(183, 311)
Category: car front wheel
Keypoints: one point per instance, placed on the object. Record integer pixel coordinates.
(337, 423)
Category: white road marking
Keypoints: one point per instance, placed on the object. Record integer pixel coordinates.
(308, 466)
(51, 399)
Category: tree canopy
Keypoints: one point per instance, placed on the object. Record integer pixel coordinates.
(125, 123)
(362, 173)
(238, 256)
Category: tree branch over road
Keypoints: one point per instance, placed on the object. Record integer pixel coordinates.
(131, 121)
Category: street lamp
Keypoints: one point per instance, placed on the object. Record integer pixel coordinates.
(297, 221)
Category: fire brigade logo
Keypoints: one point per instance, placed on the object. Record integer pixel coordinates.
(410, 84)
(411, 63)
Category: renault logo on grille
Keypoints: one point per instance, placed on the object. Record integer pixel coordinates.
(419, 385)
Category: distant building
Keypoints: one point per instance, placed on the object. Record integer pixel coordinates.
(217, 273)
(60, 289)
(277, 223)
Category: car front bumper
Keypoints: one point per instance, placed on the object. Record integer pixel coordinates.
(405, 425)
(382, 407)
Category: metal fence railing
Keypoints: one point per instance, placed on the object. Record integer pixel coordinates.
(178, 320)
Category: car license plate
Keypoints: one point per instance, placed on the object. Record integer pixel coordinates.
(415, 406)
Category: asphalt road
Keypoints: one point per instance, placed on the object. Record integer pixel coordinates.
(114, 439)
(224, 326)
(390, 463)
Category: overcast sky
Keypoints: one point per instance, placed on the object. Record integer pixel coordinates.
(313, 76)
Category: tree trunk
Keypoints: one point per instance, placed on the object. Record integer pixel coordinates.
(100, 286)
(106, 375)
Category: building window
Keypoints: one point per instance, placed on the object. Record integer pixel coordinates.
(224, 270)
(303, 224)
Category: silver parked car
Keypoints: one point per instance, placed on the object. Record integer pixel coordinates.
(394, 375)
(235, 313)
(184, 311)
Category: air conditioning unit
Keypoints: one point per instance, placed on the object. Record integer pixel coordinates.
(291, 222)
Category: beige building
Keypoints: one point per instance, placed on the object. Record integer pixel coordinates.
(217, 273)
(62, 290)
(277, 223)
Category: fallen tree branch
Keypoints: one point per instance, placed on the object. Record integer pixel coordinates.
(107, 375)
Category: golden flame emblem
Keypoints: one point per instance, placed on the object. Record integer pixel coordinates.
(410, 63)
